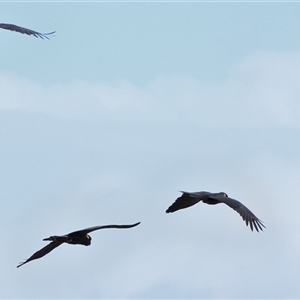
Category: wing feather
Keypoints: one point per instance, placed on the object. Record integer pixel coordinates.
(42, 252)
(184, 201)
(90, 229)
(247, 215)
(27, 31)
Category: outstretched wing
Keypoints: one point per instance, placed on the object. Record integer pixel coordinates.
(184, 201)
(90, 229)
(41, 252)
(25, 30)
(247, 215)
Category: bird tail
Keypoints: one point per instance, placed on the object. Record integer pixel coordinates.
(58, 238)
(51, 238)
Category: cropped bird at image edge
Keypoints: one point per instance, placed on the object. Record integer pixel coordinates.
(27, 31)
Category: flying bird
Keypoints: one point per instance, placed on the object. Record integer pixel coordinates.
(79, 237)
(25, 30)
(189, 199)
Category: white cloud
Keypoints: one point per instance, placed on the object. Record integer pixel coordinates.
(263, 91)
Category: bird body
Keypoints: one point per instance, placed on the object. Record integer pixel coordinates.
(27, 31)
(188, 199)
(71, 239)
(79, 237)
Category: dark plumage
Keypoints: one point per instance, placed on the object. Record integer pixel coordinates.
(188, 199)
(79, 237)
(25, 30)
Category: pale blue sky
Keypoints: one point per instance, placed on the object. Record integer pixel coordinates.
(126, 105)
(140, 41)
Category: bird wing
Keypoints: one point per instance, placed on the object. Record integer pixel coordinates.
(90, 229)
(184, 201)
(23, 30)
(42, 252)
(247, 215)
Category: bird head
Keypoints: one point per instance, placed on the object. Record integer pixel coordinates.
(87, 240)
(224, 194)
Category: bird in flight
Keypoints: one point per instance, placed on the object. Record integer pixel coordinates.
(79, 237)
(189, 199)
(25, 30)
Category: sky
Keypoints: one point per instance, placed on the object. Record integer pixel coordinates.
(127, 104)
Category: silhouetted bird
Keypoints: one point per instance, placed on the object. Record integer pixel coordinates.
(25, 30)
(188, 199)
(79, 237)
